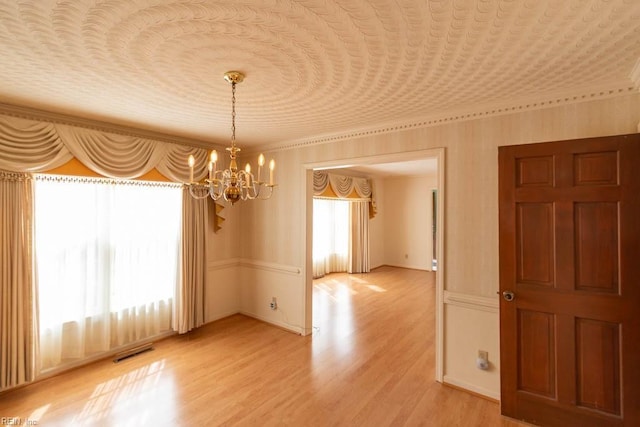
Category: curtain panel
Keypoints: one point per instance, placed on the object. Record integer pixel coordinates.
(190, 297)
(18, 301)
(359, 238)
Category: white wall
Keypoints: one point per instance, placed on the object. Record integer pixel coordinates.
(408, 220)
(275, 231)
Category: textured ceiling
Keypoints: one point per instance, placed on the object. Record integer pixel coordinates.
(314, 68)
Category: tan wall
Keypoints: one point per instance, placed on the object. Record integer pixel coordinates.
(408, 220)
(274, 231)
(222, 294)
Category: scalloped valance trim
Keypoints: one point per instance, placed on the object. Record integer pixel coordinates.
(35, 146)
(343, 187)
(31, 113)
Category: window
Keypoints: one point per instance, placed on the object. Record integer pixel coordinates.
(107, 262)
(330, 236)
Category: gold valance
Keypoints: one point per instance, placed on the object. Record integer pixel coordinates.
(34, 146)
(334, 186)
(38, 146)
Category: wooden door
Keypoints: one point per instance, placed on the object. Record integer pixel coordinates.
(570, 254)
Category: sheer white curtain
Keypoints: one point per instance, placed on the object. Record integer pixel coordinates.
(18, 302)
(28, 145)
(107, 260)
(330, 236)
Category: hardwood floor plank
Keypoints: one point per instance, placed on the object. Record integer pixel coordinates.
(370, 361)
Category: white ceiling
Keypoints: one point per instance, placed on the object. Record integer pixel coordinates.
(315, 69)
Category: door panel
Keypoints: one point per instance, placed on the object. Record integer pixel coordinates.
(535, 171)
(596, 246)
(536, 350)
(598, 365)
(596, 168)
(534, 239)
(569, 252)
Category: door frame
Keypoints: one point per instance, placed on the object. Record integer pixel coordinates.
(307, 209)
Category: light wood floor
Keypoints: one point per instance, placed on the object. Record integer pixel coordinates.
(369, 362)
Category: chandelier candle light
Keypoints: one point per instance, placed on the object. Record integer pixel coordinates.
(230, 184)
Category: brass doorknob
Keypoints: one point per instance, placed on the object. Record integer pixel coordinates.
(508, 296)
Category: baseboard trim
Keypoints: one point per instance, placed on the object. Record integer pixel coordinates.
(471, 388)
(221, 316)
(407, 267)
(299, 330)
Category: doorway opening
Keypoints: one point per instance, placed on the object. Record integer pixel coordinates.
(432, 236)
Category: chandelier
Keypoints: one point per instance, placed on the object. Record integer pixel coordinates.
(230, 184)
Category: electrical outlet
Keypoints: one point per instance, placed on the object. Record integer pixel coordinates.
(482, 362)
(273, 305)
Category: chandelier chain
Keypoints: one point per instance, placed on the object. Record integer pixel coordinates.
(233, 113)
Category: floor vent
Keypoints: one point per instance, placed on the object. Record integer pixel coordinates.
(133, 352)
